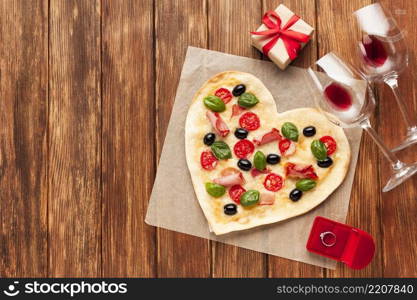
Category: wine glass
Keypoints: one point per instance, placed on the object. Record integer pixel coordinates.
(346, 99)
(383, 55)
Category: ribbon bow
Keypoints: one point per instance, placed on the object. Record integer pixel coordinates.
(291, 38)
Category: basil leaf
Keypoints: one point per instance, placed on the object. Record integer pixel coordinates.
(247, 100)
(319, 149)
(215, 190)
(290, 131)
(214, 103)
(221, 150)
(259, 160)
(305, 184)
(249, 198)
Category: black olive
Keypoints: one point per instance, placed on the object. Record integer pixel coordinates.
(241, 133)
(295, 194)
(325, 163)
(239, 90)
(309, 131)
(273, 159)
(244, 164)
(209, 138)
(230, 209)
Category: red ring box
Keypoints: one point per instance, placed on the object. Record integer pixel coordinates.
(354, 247)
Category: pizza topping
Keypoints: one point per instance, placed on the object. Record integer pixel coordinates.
(305, 184)
(249, 121)
(218, 124)
(230, 180)
(249, 198)
(236, 110)
(319, 149)
(239, 90)
(215, 190)
(309, 131)
(267, 198)
(330, 144)
(209, 138)
(230, 209)
(325, 163)
(273, 159)
(208, 160)
(290, 131)
(273, 182)
(286, 147)
(244, 164)
(300, 171)
(221, 150)
(214, 103)
(271, 136)
(229, 171)
(241, 133)
(224, 94)
(243, 148)
(247, 100)
(235, 192)
(259, 160)
(295, 194)
(255, 172)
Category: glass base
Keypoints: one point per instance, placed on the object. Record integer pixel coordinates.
(400, 175)
(411, 139)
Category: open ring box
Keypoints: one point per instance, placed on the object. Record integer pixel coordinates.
(352, 246)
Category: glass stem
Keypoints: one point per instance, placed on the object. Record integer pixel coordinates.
(393, 84)
(391, 157)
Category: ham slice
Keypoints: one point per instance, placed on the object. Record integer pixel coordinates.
(271, 136)
(230, 180)
(300, 171)
(218, 124)
(236, 110)
(255, 172)
(267, 198)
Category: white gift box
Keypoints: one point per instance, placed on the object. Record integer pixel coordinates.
(278, 53)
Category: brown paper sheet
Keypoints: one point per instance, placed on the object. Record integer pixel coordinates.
(173, 204)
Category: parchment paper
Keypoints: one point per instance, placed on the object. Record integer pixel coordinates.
(173, 204)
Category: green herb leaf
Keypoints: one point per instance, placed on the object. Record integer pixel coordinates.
(214, 103)
(221, 150)
(249, 198)
(215, 190)
(259, 160)
(247, 100)
(305, 184)
(290, 131)
(319, 149)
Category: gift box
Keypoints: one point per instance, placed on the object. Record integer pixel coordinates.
(352, 246)
(281, 36)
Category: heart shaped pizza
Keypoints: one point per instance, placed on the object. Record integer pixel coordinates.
(252, 166)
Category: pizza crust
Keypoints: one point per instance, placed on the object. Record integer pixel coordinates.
(197, 126)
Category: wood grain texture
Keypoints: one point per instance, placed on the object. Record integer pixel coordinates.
(399, 206)
(277, 266)
(178, 24)
(75, 140)
(23, 138)
(229, 24)
(128, 145)
(365, 202)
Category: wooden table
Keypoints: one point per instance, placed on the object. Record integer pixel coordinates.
(86, 93)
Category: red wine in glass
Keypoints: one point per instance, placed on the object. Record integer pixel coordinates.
(338, 96)
(373, 51)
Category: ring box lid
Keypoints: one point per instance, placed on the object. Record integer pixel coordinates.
(353, 246)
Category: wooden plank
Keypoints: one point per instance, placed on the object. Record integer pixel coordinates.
(280, 267)
(177, 24)
(399, 207)
(337, 33)
(229, 24)
(128, 152)
(23, 138)
(74, 143)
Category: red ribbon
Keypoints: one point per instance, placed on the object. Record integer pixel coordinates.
(291, 38)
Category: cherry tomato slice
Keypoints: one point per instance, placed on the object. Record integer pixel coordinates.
(249, 121)
(330, 144)
(243, 148)
(208, 160)
(224, 94)
(235, 192)
(284, 145)
(273, 182)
